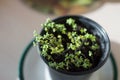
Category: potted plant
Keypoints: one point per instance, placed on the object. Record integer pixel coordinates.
(72, 46)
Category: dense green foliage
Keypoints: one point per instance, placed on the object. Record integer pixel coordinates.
(65, 49)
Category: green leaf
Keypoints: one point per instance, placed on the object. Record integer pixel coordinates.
(78, 53)
(70, 21)
(35, 33)
(86, 63)
(34, 43)
(52, 64)
(90, 53)
(83, 30)
(95, 46)
(86, 43)
(78, 61)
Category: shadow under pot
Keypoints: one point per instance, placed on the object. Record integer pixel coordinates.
(76, 62)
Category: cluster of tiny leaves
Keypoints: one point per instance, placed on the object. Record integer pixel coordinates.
(52, 44)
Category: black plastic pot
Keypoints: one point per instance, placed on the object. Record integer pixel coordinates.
(93, 28)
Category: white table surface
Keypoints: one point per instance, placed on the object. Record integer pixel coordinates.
(17, 22)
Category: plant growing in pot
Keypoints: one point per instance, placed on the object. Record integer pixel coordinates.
(72, 46)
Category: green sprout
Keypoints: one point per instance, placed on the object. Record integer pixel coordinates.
(83, 30)
(86, 63)
(72, 23)
(95, 47)
(90, 53)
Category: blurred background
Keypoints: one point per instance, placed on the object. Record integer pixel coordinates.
(19, 18)
(62, 7)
